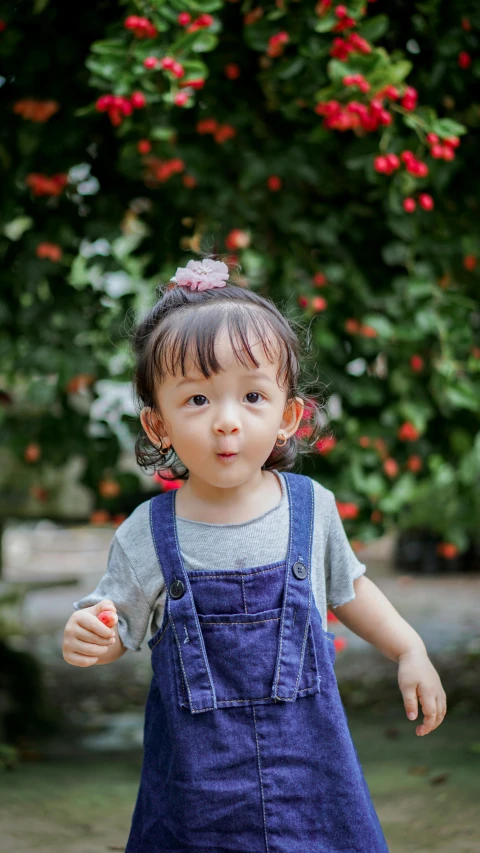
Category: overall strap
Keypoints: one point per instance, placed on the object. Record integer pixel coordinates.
(295, 618)
(181, 604)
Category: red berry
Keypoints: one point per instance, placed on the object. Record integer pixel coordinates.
(138, 100)
(437, 151)
(409, 204)
(393, 161)
(448, 153)
(150, 62)
(470, 262)
(274, 183)
(464, 60)
(184, 18)
(416, 363)
(180, 99)
(452, 141)
(144, 146)
(341, 11)
(380, 164)
(432, 138)
(426, 201)
(167, 62)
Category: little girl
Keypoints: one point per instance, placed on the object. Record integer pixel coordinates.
(246, 742)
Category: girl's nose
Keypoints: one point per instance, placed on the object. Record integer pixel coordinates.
(226, 423)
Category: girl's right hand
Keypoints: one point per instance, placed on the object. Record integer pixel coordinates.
(86, 638)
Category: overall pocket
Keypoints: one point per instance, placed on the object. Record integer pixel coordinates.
(241, 649)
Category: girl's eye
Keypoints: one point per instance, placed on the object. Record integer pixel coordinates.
(253, 394)
(198, 400)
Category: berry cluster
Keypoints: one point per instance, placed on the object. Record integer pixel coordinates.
(142, 28)
(390, 163)
(276, 43)
(43, 185)
(199, 23)
(353, 43)
(354, 115)
(445, 151)
(34, 110)
(221, 132)
(357, 80)
(118, 107)
(50, 251)
(162, 170)
(424, 199)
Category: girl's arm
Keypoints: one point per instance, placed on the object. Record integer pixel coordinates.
(374, 618)
(371, 616)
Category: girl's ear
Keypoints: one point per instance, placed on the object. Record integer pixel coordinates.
(154, 426)
(292, 416)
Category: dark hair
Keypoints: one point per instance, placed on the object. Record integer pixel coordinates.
(186, 323)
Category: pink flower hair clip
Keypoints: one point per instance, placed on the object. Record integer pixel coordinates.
(201, 275)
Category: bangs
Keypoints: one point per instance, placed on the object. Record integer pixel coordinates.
(190, 335)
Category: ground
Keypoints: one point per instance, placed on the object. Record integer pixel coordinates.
(426, 791)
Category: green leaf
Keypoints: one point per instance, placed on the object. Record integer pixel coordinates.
(161, 134)
(398, 72)
(448, 127)
(15, 229)
(204, 42)
(463, 395)
(400, 493)
(375, 28)
(383, 326)
(325, 25)
(290, 68)
(112, 47)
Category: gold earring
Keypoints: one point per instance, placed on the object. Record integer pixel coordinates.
(163, 450)
(283, 442)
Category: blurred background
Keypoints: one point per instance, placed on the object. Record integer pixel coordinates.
(331, 153)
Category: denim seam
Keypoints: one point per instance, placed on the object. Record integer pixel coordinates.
(162, 635)
(243, 624)
(261, 780)
(231, 573)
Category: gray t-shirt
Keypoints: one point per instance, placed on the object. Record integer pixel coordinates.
(134, 579)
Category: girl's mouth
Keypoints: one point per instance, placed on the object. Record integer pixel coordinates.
(226, 456)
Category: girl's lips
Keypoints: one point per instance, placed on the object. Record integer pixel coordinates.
(227, 456)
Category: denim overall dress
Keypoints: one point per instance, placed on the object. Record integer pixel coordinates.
(246, 743)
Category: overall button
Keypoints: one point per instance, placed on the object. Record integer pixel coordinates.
(177, 589)
(299, 570)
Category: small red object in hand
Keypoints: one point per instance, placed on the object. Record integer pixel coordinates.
(108, 618)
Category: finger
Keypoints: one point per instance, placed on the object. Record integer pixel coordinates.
(104, 604)
(81, 660)
(91, 623)
(411, 704)
(429, 708)
(88, 649)
(89, 637)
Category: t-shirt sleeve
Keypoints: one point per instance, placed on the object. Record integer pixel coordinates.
(120, 584)
(342, 566)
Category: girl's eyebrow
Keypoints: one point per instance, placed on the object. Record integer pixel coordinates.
(251, 375)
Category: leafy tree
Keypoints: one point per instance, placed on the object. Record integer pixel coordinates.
(321, 146)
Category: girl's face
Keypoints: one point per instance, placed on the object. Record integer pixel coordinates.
(223, 428)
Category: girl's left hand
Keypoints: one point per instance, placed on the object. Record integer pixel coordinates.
(418, 679)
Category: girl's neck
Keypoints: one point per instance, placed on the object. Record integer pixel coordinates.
(198, 501)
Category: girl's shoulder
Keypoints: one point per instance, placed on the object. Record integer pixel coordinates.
(135, 527)
(323, 496)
